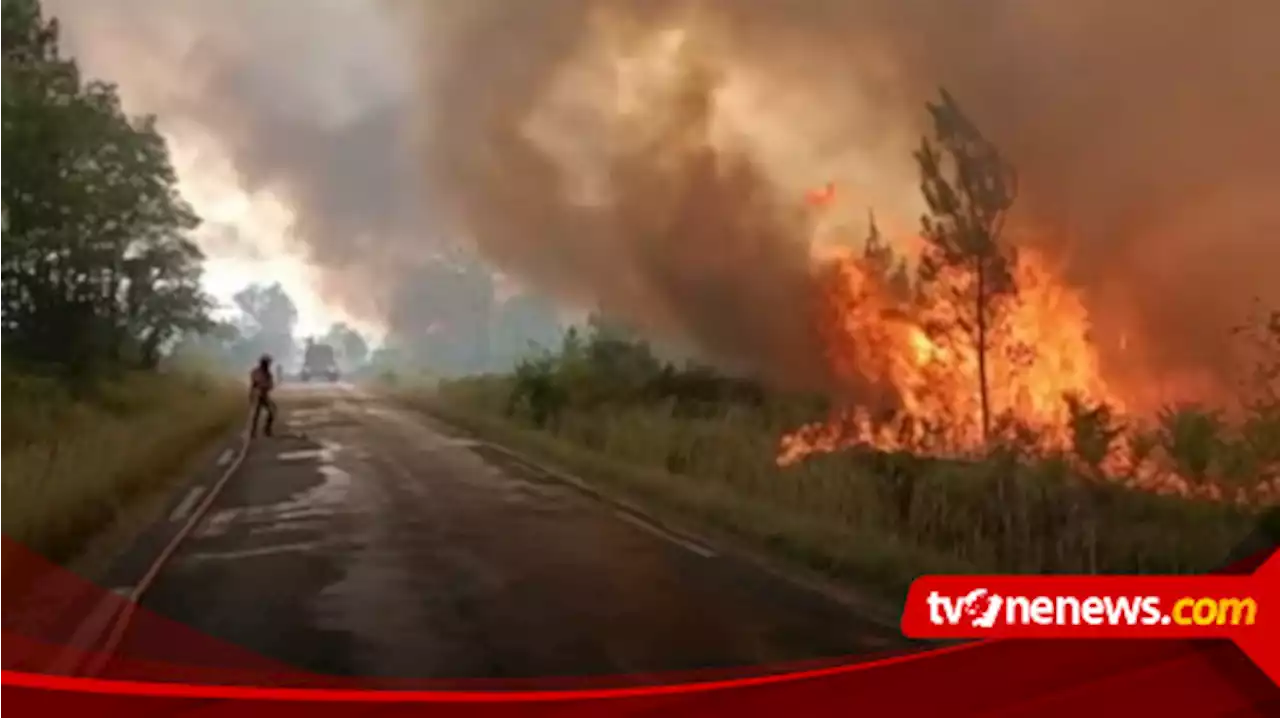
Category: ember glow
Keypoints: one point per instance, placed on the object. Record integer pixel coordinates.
(910, 387)
(687, 203)
(1039, 352)
(821, 196)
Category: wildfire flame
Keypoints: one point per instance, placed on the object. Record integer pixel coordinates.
(821, 197)
(1039, 354)
(900, 382)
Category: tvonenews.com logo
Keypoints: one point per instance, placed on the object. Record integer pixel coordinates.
(1235, 606)
(981, 608)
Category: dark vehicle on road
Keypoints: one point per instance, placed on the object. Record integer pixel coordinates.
(319, 362)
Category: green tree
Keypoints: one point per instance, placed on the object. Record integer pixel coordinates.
(98, 270)
(969, 188)
(164, 300)
(271, 317)
(349, 343)
(219, 344)
(443, 317)
(1256, 452)
(522, 324)
(1193, 438)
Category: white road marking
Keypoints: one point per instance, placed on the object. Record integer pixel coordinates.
(336, 483)
(217, 524)
(226, 456)
(294, 524)
(310, 417)
(253, 552)
(702, 551)
(325, 454)
(183, 509)
(87, 634)
(301, 454)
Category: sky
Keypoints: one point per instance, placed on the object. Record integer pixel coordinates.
(247, 238)
(648, 158)
(161, 55)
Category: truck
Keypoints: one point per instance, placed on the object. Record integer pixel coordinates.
(319, 362)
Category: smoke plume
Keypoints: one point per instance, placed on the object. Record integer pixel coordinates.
(1141, 132)
(651, 157)
(308, 102)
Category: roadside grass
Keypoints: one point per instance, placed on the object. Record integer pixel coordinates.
(72, 465)
(878, 519)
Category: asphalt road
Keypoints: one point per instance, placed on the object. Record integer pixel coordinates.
(369, 541)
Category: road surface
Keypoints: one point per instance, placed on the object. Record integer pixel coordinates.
(370, 541)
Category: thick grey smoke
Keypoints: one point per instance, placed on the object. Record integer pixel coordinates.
(1143, 132)
(644, 214)
(310, 101)
(591, 148)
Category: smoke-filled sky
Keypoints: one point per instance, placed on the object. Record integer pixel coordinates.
(651, 157)
(280, 119)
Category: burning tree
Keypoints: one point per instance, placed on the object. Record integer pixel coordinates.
(969, 188)
(986, 341)
(906, 357)
(883, 264)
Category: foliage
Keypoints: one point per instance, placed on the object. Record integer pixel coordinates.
(1193, 438)
(607, 367)
(73, 463)
(99, 270)
(865, 515)
(882, 263)
(270, 319)
(702, 441)
(441, 316)
(100, 280)
(968, 188)
(349, 343)
(452, 317)
(521, 323)
(263, 323)
(1094, 432)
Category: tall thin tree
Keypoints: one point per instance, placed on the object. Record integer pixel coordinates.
(969, 188)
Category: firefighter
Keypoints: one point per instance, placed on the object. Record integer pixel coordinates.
(261, 382)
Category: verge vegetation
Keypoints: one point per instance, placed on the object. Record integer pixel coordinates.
(101, 278)
(884, 491)
(73, 463)
(703, 446)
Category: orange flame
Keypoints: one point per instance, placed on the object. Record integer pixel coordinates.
(821, 197)
(1039, 352)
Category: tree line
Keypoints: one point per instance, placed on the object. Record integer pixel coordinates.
(99, 268)
(452, 325)
(265, 321)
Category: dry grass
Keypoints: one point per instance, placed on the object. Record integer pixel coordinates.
(71, 466)
(882, 519)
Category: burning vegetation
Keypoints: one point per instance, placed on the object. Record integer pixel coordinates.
(653, 171)
(986, 349)
(1034, 379)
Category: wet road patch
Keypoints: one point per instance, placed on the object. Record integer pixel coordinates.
(273, 541)
(378, 546)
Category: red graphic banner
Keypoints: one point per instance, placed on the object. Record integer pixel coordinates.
(1244, 609)
(165, 668)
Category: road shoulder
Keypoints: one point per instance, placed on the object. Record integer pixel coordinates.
(124, 551)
